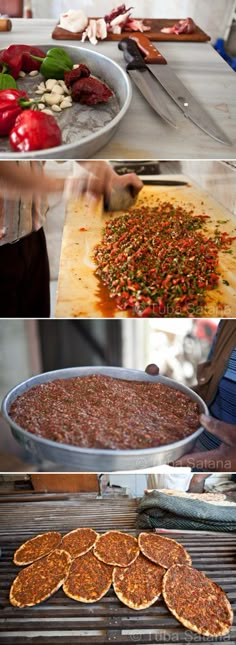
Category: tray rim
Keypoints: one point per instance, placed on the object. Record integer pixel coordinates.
(84, 371)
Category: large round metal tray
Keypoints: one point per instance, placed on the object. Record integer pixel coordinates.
(70, 458)
(85, 129)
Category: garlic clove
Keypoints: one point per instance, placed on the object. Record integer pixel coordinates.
(58, 89)
(50, 83)
(53, 98)
(56, 108)
(65, 104)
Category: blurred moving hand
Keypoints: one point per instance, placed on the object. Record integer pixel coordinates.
(99, 179)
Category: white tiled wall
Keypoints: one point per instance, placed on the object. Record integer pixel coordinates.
(213, 15)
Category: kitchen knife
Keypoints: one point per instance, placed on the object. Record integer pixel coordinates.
(145, 82)
(191, 108)
(123, 198)
(164, 182)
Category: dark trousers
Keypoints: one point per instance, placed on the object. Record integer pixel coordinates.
(24, 278)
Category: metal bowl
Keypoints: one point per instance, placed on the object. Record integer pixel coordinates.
(69, 458)
(84, 129)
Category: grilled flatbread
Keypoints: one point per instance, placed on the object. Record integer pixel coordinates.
(116, 548)
(36, 548)
(40, 580)
(79, 541)
(197, 602)
(162, 550)
(89, 579)
(139, 585)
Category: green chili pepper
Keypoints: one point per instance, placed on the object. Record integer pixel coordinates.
(55, 63)
(7, 81)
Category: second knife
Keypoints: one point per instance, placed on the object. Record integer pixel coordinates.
(192, 109)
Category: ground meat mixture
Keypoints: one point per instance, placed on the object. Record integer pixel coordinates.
(116, 548)
(160, 261)
(79, 541)
(162, 550)
(139, 585)
(196, 601)
(41, 579)
(89, 579)
(37, 547)
(103, 412)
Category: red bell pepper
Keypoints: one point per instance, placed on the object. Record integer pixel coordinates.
(18, 57)
(11, 104)
(35, 130)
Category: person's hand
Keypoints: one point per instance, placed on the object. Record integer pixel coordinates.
(99, 179)
(122, 181)
(220, 459)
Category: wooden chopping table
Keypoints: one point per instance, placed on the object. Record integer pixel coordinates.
(141, 133)
(80, 294)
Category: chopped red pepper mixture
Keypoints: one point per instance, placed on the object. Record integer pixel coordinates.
(159, 261)
(103, 412)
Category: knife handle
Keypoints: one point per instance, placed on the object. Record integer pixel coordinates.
(150, 53)
(132, 54)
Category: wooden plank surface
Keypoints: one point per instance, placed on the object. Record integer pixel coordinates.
(80, 293)
(154, 34)
(84, 509)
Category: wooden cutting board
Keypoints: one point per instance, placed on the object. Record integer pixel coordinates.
(80, 293)
(154, 33)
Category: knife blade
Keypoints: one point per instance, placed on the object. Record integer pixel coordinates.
(192, 109)
(164, 182)
(145, 82)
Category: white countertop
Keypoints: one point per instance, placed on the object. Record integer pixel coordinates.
(141, 133)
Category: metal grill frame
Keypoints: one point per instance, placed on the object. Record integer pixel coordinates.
(62, 621)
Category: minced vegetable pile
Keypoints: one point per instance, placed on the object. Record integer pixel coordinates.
(160, 261)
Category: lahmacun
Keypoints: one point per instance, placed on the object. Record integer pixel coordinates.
(36, 547)
(139, 585)
(79, 541)
(197, 602)
(116, 548)
(89, 579)
(162, 550)
(40, 580)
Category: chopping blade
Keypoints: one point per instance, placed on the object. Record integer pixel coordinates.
(191, 108)
(164, 182)
(145, 82)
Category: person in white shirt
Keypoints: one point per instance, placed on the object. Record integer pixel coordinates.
(24, 266)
